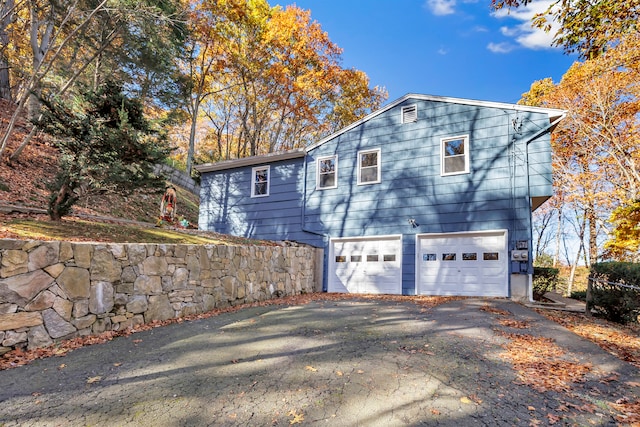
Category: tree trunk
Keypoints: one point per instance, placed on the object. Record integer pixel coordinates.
(195, 108)
(593, 235)
(7, 15)
(55, 205)
(572, 273)
(556, 256)
(581, 232)
(40, 44)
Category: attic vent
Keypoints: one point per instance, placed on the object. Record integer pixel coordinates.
(409, 114)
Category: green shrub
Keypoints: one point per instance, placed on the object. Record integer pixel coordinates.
(543, 260)
(545, 279)
(579, 295)
(610, 301)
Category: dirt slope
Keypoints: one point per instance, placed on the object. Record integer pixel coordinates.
(24, 181)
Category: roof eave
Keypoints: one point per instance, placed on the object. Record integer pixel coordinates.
(250, 161)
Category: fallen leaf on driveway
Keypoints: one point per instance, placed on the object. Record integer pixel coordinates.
(310, 368)
(552, 418)
(92, 380)
(297, 418)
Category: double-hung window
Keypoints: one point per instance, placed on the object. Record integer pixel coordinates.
(260, 181)
(369, 167)
(454, 155)
(327, 176)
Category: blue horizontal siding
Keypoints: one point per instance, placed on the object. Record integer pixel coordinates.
(227, 206)
(493, 195)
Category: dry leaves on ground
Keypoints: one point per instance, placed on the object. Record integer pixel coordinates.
(621, 341)
(541, 364)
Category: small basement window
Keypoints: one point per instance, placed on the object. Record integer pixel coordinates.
(455, 155)
(410, 114)
(260, 181)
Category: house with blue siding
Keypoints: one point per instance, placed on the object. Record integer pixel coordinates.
(427, 196)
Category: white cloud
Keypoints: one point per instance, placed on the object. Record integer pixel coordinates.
(509, 31)
(524, 34)
(500, 47)
(442, 51)
(441, 7)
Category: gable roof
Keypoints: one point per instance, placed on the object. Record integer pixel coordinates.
(553, 114)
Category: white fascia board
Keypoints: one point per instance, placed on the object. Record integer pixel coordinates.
(250, 161)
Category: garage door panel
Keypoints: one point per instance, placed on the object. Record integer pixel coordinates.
(371, 265)
(458, 264)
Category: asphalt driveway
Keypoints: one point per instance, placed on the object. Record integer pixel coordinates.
(351, 362)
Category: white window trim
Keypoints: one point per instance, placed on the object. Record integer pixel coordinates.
(467, 157)
(335, 185)
(253, 183)
(378, 179)
(403, 112)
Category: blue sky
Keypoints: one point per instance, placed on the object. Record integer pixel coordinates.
(457, 48)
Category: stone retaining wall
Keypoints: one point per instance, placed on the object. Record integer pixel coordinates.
(59, 290)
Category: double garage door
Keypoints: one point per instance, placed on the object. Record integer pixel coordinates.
(471, 264)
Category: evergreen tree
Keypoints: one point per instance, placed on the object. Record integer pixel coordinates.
(105, 144)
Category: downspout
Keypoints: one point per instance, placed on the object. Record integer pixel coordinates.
(526, 154)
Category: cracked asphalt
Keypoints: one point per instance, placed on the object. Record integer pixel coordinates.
(351, 362)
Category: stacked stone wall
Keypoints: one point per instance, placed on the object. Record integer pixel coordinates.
(57, 290)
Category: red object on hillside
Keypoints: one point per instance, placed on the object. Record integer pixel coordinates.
(168, 205)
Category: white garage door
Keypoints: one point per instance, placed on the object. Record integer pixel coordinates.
(471, 264)
(366, 265)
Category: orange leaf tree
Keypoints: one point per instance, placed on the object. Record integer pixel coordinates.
(596, 148)
(277, 83)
